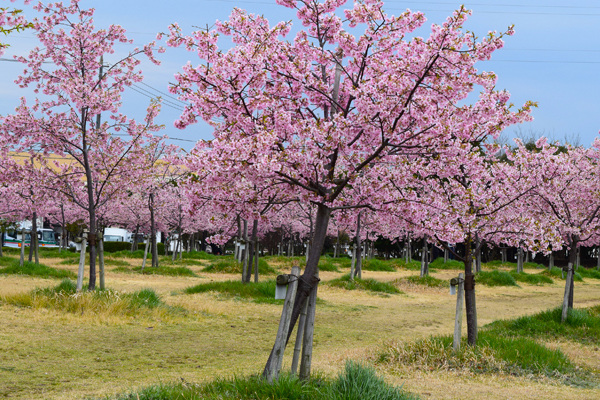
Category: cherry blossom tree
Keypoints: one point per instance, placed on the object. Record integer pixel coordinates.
(12, 20)
(74, 90)
(317, 112)
(566, 203)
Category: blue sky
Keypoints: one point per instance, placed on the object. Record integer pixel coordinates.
(553, 58)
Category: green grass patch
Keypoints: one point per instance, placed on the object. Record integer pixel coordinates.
(533, 265)
(496, 278)
(198, 255)
(412, 265)
(356, 382)
(56, 252)
(375, 264)
(588, 273)
(582, 325)
(428, 281)
(439, 263)
(493, 354)
(495, 264)
(161, 270)
(129, 254)
(5, 261)
(261, 292)
(370, 285)
(557, 273)
(33, 269)
(228, 265)
(64, 297)
(532, 279)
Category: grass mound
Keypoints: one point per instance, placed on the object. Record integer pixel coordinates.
(582, 325)
(496, 278)
(198, 255)
(261, 292)
(493, 354)
(412, 265)
(56, 252)
(557, 273)
(33, 269)
(533, 265)
(428, 281)
(508, 346)
(161, 270)
(370, 285)
(495, 264)
(439, 263)
(375, 264)
(588, 273)
(532, 279)
(64, 297)
(128, 254)
(228, 265)
(356, 382)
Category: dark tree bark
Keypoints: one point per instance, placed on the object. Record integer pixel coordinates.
(309, 279)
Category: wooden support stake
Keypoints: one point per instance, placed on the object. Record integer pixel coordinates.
(299, 339)
(565, 306)
(309, 330)
(460, 294)
(81, 265)
(284, 323)
(22, 259)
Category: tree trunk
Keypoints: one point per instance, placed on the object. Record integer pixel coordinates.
(34, 245)
(145, 254)
(22, 260)
(309, 279)
(425, 258)
(551, 261)
(101, 261)
(81, 269)
(569, 281)
(358, 269)
(470, 293)
(520, 260)
(134, 241)
(153, 231)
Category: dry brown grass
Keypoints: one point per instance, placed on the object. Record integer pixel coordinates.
(56, 355)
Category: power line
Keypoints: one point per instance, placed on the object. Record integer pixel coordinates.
(163, 93)
(165, 101)
(153, 98)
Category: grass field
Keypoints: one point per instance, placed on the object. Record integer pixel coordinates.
(147, 331)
